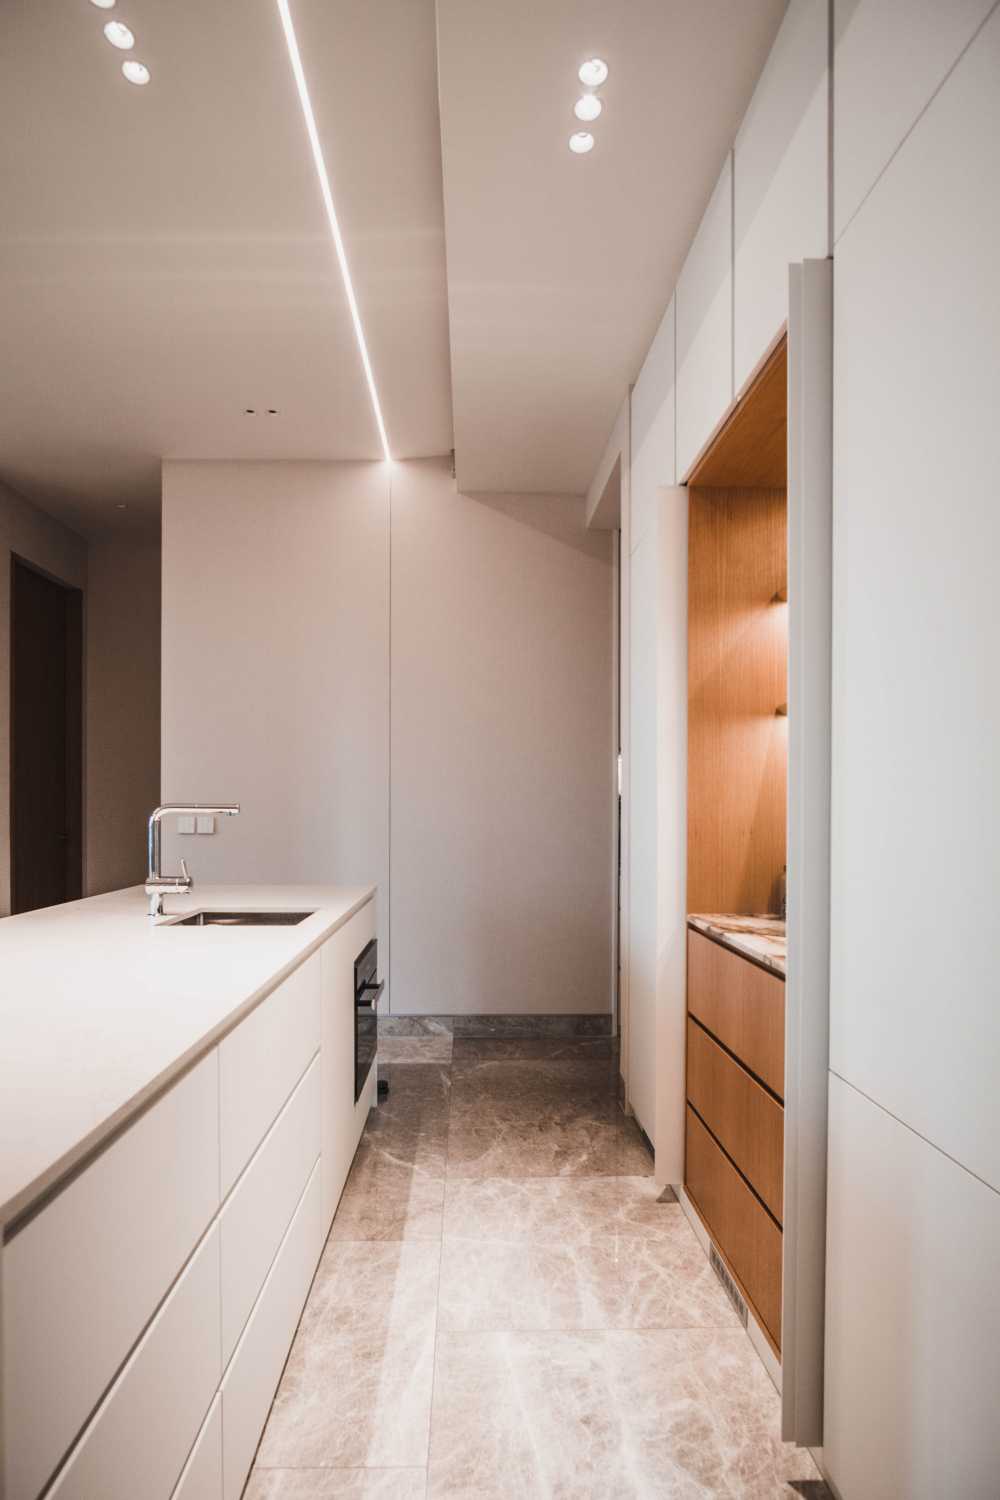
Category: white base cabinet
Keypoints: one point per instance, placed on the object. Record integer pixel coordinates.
(148, 1309)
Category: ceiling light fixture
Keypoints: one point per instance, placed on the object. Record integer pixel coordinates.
(135, 71)
(119, 35)
(588, 107)
(103, 4)
(331, 213)
(593, 72)
(581, 142)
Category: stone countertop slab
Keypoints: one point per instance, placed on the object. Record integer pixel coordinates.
(102, 1007)
(761, 938)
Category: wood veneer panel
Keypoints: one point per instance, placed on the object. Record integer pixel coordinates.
(737, 679)
(744, 1118)
(745, 1233)
(752, 447)
(742, 1005)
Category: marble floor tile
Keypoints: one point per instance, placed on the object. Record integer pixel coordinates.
(558, 1210)
(389, 1200)
(472, 1051)
(636, 1159)
(546, 1148)
(415, 1049)
(607, 1282)
(629, 1415)
(414, 1026)
(356, 1391)
(336, 1484)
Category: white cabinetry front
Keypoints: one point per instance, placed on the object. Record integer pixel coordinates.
(343, 1121)
(704, 310)
(780, 181)
(82, 1279)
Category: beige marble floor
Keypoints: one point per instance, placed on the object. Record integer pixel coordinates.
(503, 1309)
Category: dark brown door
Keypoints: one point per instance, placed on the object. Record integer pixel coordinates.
(46, 740)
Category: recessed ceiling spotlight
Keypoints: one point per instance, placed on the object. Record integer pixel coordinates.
(581, 142)
(103, 4)
(588, 107)
(120, 505)
(248, 411)
(593, 72)
(135, 71)
(119, 35)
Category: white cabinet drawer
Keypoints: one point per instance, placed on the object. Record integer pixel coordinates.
(82, 1279)
(255, 1369)
(202, 1476)
(261, 1062)
(343, 1122)
(258, 1213)
(142, 1433)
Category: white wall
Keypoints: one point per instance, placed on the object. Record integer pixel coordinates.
(704, 303)
(913, 1317)
(122, 708)
(276, 669)
(61, 553)
(276, 693)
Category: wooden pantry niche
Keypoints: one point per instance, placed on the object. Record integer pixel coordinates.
(736, 839)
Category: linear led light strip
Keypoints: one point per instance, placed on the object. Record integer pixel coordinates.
(331, 212)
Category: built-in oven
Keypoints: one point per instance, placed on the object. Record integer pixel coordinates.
(367, 990)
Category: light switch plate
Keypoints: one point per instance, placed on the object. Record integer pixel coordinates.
(185, 825)
(206, 823)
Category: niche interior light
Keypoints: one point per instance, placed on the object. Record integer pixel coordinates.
(298, 72)
(580, 142)
(587, 107)
(135, 71)
(119, 35)
(593, 72)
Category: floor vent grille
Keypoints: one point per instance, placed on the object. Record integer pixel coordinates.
(729, 1285)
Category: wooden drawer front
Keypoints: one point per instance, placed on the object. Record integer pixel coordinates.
(142, 1433)
(261, 1062)
(742, 1005)
(252, 1378)
(83, 1278)
(256, 1216)
(747, 1236)
(202, 1476)
(343, 1121)
(741, 1115)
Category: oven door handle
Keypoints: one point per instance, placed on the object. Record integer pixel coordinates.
(370, 1004)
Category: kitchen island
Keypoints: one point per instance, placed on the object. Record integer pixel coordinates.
(177, 1119)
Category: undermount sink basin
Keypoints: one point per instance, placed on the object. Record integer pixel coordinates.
(242, 919)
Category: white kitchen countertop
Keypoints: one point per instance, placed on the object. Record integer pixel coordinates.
(101, 1008)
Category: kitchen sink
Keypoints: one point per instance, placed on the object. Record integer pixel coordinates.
(241, 919)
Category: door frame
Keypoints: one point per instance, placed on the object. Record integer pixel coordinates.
(74, 727)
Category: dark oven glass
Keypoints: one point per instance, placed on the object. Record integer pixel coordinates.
(367, 990)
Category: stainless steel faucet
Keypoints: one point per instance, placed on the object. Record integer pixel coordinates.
(158, 885)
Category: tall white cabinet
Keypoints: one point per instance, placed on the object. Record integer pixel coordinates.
(913, 1321)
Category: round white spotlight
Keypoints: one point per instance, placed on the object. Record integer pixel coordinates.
(103, 4)
(581, 142)
(587, 107)
(593, 72)
(135, 71)
(119, 35)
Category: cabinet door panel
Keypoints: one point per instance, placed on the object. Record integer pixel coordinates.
(261, 1062)
(343, 1121)
(82, 1279)
(202, 1476)
(704, 303)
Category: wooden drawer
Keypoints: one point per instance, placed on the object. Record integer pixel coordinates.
(83, 1278)
(202, 1476)
(741, 1004)
(257, 1214)
(142, 1433)
(261, 1062)
(343, 1120)
(747, 1236)
(742, 1116)
(255, 1369)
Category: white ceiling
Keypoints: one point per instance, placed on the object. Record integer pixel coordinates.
(164, 256)
(560, 267)
(165, 261)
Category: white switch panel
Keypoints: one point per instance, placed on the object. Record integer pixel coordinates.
(185, 825)
(206, 823)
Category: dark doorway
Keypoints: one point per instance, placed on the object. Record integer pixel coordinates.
(46, 738)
